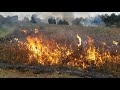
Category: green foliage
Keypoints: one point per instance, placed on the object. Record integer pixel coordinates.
(51, 21)
(111, 20)
(77, 21)
(6, 30)
(63, 22)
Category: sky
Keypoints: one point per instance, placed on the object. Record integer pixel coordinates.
(43, 15)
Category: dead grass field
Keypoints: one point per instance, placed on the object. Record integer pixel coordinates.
(4, 73)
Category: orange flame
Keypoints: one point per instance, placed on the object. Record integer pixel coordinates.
(79, 38)
(48, 52)
(91, 51)
(43, 52)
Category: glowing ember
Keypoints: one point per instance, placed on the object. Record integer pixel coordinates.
(116, 43)
(24, 31)
(104, 43)
(16, 39)
(36, 30)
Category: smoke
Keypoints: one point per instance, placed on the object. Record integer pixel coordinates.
(92, 21)
(60, 14)
(69, 16)
(42, 15)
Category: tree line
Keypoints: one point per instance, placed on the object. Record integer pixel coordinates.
(59, 22)
(111, 20)
(108, 20)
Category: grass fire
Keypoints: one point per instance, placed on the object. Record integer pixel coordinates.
(37, 50)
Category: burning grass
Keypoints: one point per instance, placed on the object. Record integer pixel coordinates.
(36, 50)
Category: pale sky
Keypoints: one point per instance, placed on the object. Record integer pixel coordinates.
(43, 15)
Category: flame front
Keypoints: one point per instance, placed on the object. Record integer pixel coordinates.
(45, 54)
(48, 52)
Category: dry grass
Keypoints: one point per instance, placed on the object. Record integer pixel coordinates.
(10, 52)
(28, 74)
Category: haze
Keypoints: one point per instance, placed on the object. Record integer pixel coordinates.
(43, 15)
